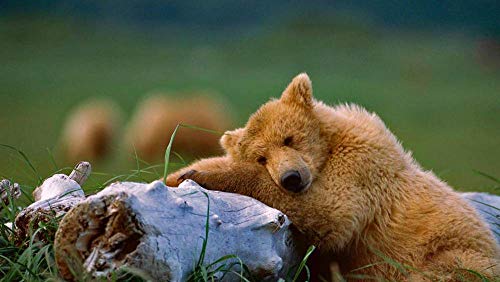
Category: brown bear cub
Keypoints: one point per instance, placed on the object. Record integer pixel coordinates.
(149, 131)
(347, 183)
(90, 130)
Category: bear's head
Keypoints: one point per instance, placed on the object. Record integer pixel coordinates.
(329, 168)
(285, 137)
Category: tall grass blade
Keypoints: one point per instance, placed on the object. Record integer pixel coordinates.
(207, 226)
(52, 159)
(490, 177)
(26, 159)
(302, 264)
(167, 153)
(169, 147)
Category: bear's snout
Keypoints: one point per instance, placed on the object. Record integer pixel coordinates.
(292, 181)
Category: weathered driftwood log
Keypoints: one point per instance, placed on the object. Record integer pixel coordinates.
(488, 207)
(160, 231)
(54, 198)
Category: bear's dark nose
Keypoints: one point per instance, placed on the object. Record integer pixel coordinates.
(292, 181)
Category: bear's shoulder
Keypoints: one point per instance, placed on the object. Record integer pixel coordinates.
(357, 114)
(350, 117)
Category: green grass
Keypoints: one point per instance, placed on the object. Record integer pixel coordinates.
(224, 265)
(29, 259)
(429, 88)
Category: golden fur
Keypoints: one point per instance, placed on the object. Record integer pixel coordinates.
(90, 130)
(367, 196)
(157, 116)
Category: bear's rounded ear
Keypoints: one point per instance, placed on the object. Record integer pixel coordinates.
(230, 139)
(299, 91)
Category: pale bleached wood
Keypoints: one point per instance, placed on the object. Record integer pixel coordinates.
(56, 196)
(158, 230)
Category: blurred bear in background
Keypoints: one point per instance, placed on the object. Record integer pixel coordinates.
(156, 117)
(90, 130)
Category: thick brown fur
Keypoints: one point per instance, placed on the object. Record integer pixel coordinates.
(90, 130)
(157, 116)
(368, 202)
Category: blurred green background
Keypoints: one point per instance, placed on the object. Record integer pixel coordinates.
(431, 71)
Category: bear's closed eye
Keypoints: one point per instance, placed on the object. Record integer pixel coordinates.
(262, 160)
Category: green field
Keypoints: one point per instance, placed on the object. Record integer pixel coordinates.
(428, 87)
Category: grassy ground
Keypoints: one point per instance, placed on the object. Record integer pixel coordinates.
(429, 88)
(32, 259)
(29, 259)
